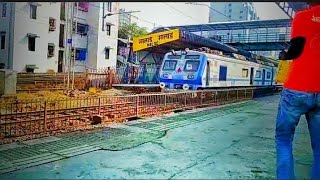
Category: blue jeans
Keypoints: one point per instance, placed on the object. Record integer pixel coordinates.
(292, 105)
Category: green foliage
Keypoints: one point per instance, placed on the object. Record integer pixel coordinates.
(132, 30)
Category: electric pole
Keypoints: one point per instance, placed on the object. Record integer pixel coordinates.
(69, 31)
(74, 52)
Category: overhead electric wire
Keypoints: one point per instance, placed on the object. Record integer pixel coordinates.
(128, 14)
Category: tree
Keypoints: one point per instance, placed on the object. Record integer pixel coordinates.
(132, 30)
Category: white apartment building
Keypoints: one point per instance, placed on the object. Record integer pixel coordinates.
(34, 34)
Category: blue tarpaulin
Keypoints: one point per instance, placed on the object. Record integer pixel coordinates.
(81, 54)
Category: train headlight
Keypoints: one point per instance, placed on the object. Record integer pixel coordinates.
(167, 76)
(162, 85)
(185, 87)
(190, 76)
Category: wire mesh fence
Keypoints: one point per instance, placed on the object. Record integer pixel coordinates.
(99, 78)
(28, 117)
(31, 82)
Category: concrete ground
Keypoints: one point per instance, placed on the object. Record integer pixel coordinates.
(231, 142)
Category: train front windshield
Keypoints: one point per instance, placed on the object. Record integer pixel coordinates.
(191, 66)
(186, 63)
(170, 65)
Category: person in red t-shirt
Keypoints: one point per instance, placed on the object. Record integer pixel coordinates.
(301, 94)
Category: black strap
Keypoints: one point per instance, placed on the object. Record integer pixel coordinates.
(296, 48)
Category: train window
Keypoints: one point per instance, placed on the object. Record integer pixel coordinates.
(258, 74)
(191, 66)
(192, 57)
(174, 57)
(169, 65)
(245, 72)
(268, 75)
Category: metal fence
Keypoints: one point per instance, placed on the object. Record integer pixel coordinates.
(99, 78)
(47, 81)
(29, 117)
(149, 74)
(144, 73)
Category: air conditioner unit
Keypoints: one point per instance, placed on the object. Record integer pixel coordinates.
(8, 82)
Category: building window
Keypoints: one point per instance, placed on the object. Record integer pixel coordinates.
(61, 36)
(241, 11)
(107, 53)
(240, 17)
(245, 72)
(4, 9)
(229, 16)
(52, 24)
(3, 41)
(32, 43)
(63, 11)
(80, 54)
(33, 11)
(82, 29)
(50, 50)
(229, 4)
(108, 27)
(109, 6)
(230, 10)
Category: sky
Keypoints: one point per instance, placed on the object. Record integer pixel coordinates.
(166, 14)
(155, 14)
(269, 10)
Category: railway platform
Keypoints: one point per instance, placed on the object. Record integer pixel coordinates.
(233, 141)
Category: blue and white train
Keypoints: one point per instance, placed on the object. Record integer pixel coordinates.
(199, 70)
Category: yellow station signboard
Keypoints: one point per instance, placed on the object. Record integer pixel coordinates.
(155, 39)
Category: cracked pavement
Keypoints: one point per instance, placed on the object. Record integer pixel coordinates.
(233, 145)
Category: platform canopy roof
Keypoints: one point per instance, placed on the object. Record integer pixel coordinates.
(190, 40)
(235, 25)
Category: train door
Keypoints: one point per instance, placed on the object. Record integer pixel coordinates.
(272, 74)
(208, 74)
(223, 73)
(251, 75)
(263, 76)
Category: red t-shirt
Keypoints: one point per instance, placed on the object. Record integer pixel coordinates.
(305, 70)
